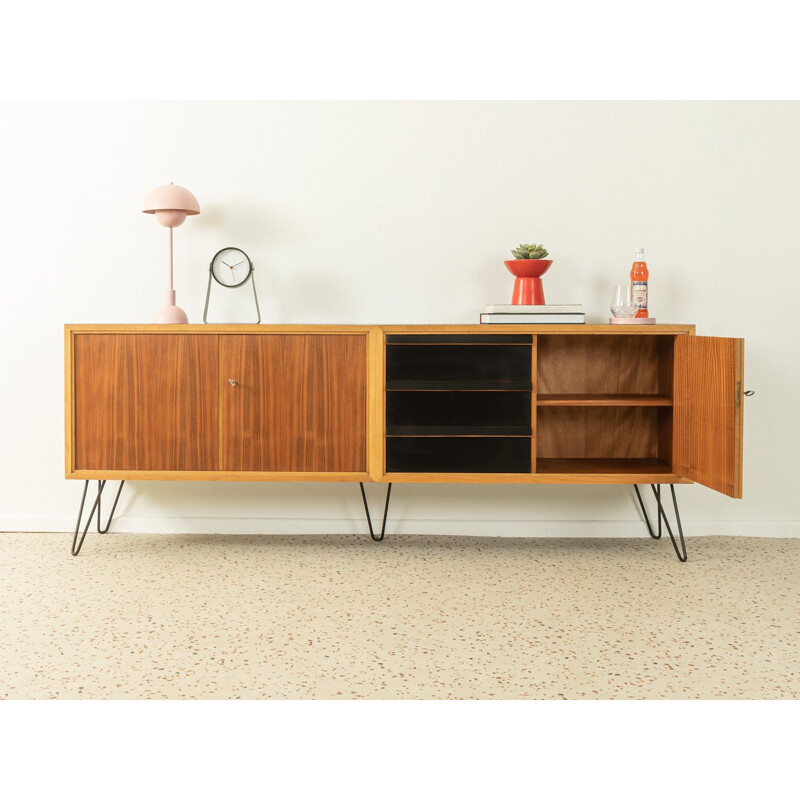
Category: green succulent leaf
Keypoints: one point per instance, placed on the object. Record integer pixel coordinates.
(529, 251)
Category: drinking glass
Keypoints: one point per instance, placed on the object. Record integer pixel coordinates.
(622, 303)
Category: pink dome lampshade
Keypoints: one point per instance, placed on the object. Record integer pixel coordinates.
(171, 204)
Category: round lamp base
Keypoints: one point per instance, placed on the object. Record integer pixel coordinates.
(170, 315)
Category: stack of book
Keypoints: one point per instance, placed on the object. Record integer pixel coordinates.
(533, 315)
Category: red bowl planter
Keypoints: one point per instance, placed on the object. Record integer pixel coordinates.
(528, 272)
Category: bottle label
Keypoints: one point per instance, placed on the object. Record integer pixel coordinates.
(640, 294)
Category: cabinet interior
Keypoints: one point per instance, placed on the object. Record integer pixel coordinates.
(547, 404)
(604, 365)
(604, 402)
(459, 403)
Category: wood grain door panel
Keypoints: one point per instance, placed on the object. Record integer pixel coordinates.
(299, 403)
(708, 412)
(146, 402)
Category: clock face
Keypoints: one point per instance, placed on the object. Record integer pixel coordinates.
(231, 267)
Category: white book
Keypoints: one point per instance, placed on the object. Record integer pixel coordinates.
(533, 319)
(575, 308)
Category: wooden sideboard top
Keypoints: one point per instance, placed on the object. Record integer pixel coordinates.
(613, 330)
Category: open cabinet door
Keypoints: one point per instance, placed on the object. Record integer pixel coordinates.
(708, 412)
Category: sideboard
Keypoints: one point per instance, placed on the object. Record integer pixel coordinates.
(522, 404)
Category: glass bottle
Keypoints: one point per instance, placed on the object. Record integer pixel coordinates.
(639, 277)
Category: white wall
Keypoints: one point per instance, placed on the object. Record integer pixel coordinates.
(400, 213)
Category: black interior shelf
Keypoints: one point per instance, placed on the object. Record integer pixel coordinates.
(459, 386)
(459, 403)
(455, 365)
(458, 454)
(459, 338)
(460, 430)
(456, 410)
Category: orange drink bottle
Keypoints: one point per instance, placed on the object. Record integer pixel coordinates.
(639, 277)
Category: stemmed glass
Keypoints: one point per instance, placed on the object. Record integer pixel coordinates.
(622, 302)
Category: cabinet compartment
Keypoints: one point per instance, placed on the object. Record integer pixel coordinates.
(605, 365)
(459, 404)
(458, 366)
(604, 404)
(620, 432)
(458, 454)
(451, 412)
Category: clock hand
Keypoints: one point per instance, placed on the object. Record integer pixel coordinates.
(226, 264)
(236, 265)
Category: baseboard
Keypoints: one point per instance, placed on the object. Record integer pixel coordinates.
(447, 527)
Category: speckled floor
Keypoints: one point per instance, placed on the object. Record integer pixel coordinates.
(289, 617)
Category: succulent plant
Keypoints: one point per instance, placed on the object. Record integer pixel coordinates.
(526, 251)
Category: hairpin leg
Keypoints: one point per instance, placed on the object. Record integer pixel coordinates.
(644, 514)
(680, 552)
(369, 518)
(78, 543)
(662, 515)
(113, 509)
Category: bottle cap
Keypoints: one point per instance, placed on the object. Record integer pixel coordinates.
(639, 252)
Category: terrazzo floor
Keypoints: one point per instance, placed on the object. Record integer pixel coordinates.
(414, 617)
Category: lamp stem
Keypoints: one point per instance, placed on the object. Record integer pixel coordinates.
(170, 259)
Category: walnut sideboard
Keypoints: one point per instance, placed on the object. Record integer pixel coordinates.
(521, 404)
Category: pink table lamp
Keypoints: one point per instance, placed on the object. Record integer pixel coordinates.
(171, 204)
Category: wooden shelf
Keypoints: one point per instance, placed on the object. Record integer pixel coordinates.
(545, 478)
(641, 467)
(603, 400)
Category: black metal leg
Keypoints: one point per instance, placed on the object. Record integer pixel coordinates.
(680, 552)
(113, 509)
(646, 518)
(662, 515)
(78, 543)
(369, 518)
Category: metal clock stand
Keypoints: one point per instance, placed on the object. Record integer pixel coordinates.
(219, 267)
(252, 280)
